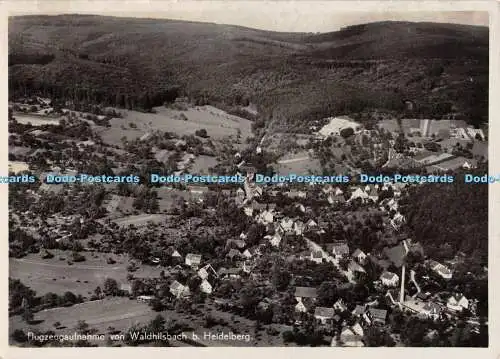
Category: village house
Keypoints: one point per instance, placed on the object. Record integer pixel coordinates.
(457, 303)
(235, 243)
(301, 208)
(305, 292)
(334, 199)
(389, 279)
(178, 290)
(339, 250)
(193, 260)
(316, 257)
(206, 272)
(296, 194)
(233, 254)
(206, 287)
(311, 225)
(360, 256)
(304, 305)
(378, 316)
(340, 305)
(231, 273)
(275, 239)
(359, 310)
(298, 228)
(265, 217)
(358, 193)
(248, 211)
(373, 195)
(126, 288)
(286, 226)
(439, 269)
(397, 220)
(175, 254)
(145, 298)
(352, 337)
(324, 315)
(424, 309)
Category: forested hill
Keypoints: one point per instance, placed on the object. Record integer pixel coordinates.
(292, 76)
(450, 218)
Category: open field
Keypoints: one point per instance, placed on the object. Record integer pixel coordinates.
(218, 124)
(168, 197)
(299, 163)
(202, 163)
(55, 275)
(35, 120)
(140, 220)
(337, 124)
(122, 313)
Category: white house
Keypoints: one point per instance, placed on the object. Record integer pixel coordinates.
(358, 193)
(286, 225)
(275, 240)
(298, 227)
(266, 217)
(178, 290)
(145, 298)
(340, 250)
(351, 337)
(457, 303)
(389, 279)
(193, 260)
(440, 269)
(206, 287)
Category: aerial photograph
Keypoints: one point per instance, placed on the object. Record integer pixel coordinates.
(183, 183)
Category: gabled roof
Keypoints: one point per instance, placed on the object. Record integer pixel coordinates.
(324, 312)
(233, 253)
(306, 292)
(358, 252)
(432, 307)
(380, 314)
(194, 258)
(317, 254)
(176, 285)
(389, 276)
(359, 310)
(340, 248)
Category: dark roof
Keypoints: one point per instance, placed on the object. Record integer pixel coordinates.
(317, 254)
(339, 248)
(380, 314)
(359, 310)
(388, 275)
(324, 312)
(233, 253)
(306, 292)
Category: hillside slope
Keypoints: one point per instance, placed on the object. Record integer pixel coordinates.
(293, 77)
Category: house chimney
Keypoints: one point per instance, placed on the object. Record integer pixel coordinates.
(402, 293)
